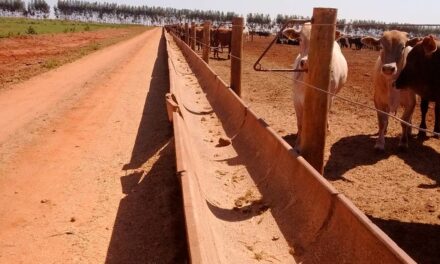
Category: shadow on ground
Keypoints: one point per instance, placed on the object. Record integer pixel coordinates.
(154, 129)
(149, 226)
(353, 151)
(420, 241)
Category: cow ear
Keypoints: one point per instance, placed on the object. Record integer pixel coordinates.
(429, 45)
(414, 41)
(370, 41)
(291, 33)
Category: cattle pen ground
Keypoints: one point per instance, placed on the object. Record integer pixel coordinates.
(115, 199)
(399, 191)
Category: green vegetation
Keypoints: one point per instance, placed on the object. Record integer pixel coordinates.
(51, 63)
(38, 8)
(31, 31)
(127, 14)
(10, 27)
(95, 46)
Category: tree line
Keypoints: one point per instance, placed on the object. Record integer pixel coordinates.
(150, 15)
(111, 12)
(378, 26)
(34, 8)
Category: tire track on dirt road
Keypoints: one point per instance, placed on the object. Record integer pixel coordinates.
(87, 162)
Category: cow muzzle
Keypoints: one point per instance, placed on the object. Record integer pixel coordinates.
(303, 64)
(389, 69)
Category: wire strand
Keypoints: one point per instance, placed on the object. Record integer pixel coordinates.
(350, 101)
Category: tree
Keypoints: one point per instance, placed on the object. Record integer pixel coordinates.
(258, 21)
(12, 7)
(38, 8)
(110, 12)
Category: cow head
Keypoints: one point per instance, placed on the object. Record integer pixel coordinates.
(429, 45)
(395, 47)
(292, 33)
(303, 35)
(420, 63)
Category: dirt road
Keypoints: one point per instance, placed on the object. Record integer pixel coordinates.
(87, 162)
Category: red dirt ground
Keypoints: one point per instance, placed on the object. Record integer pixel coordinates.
(87, 163)
(78, 180)
(398, 191)
(26, 56)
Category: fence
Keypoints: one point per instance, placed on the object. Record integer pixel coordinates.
(321, 223)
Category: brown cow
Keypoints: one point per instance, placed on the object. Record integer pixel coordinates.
(357, 41)
(387, 98)
(221, 37)
(422, 75)
(343, 42)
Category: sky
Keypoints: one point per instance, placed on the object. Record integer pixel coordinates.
(402, 11)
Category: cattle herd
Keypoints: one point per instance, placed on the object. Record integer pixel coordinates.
(355, 43)
(220, 37)
(408, 67)
(404, 68)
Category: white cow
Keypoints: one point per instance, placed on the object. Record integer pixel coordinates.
(389, 64)
(338, 75)
(246, 33)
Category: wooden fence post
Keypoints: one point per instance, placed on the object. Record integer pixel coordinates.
(236, 52)
(314, 126)
(193, 36)
(206, 40)
(186, 33)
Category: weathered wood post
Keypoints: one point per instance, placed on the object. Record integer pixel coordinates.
(206, 40)
(193, 35)
(186, 33)
(236, 52)
(314, 127)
